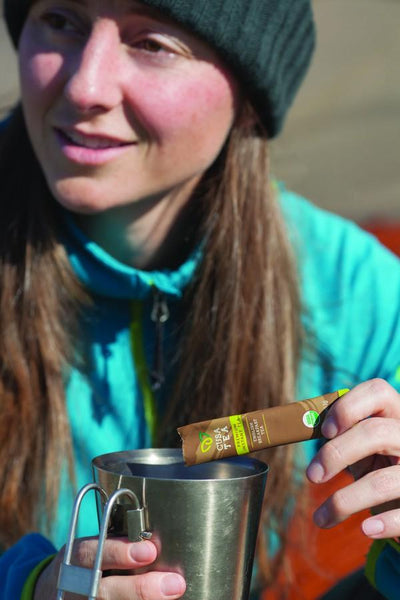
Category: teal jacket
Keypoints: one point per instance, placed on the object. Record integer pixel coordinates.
(350, 289)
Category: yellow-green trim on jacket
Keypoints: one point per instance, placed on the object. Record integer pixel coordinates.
(383, 566)
(29, 586)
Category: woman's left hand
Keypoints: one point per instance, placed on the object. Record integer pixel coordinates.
(363, 432)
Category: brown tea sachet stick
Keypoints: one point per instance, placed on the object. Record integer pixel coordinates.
(241, 434)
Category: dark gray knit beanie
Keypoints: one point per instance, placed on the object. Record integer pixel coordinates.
(267, 44)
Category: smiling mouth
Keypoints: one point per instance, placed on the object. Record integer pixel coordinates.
(92, 142)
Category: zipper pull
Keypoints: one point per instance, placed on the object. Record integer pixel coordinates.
(159, 316)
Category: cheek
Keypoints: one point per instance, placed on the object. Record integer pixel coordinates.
(208, 105)
(38, 73)
(201, 108)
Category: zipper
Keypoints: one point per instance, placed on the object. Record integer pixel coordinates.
(159, 316)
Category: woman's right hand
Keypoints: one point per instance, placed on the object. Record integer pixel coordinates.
(119, 554)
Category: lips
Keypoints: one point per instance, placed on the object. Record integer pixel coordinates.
(93, 142)
(89, 149)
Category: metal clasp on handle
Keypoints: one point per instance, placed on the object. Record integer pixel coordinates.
(84, 581)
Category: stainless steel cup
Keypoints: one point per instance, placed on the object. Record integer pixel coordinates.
(203, 519)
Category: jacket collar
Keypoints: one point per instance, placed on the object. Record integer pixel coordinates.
(103, 274)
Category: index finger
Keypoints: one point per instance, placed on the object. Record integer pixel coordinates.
(371, 398)
(370, 437)
(118, 553)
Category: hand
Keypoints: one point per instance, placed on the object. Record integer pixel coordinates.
(363, 429)
(119, 554)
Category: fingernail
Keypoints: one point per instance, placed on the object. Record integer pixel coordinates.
(315, 471)
(373, 527)
(142, 552)
(321, 517)
(172, 585)
(329, 428)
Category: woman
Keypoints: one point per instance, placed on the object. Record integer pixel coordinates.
(149, 278)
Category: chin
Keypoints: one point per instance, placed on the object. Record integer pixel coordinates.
(81, 198)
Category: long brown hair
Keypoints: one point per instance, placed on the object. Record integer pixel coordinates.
(39, 301)
(239, 351)
(243, 337)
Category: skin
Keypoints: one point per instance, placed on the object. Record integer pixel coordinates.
(115, 72)
(118, 554)
(363, 430)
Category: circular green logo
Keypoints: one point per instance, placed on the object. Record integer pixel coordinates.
(311, 419)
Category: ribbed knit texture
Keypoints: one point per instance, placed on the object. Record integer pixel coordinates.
(267, 44)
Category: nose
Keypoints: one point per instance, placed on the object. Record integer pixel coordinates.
(94, 78)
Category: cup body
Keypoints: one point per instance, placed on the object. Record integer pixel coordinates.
(204, 519)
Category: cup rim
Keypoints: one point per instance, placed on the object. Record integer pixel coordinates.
(158, 457)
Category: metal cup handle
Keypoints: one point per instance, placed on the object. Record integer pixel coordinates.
(83, 581)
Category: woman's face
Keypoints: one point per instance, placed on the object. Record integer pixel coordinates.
(121, 105)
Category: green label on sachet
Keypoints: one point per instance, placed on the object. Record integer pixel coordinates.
(311, 419)
(239, 434)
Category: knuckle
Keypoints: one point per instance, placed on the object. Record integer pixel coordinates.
(113, 554)
(346, 415)
(83, 553)
(339, 503)
(385, 483)
(381, 430)
(380, 387)
(331, 452)
(105, 593)
(141, 590)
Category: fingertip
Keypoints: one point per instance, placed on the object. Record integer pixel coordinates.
(143, 552)
(321, 517)
(172, 585)
(315, 472)
(373, 527)
(329, 428)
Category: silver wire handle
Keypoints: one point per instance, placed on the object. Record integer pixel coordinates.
(81, 580)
